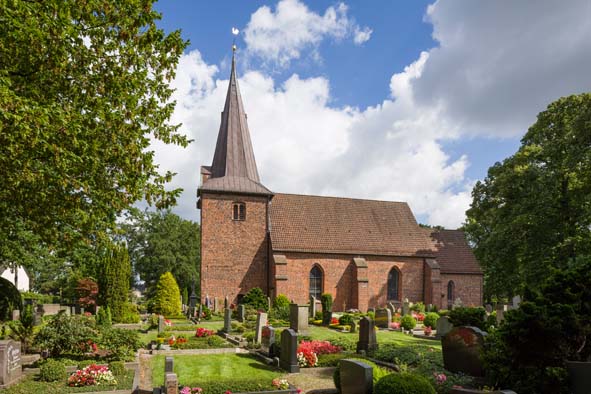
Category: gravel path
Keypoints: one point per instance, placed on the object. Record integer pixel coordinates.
(312, 379)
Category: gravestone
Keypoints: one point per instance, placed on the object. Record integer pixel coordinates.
(298, 318)
(10, 362)
(160, 324)
(356, 377)
(171, 383)
(289, 346)
(312, 310)
(261, 321)
(353, 327)
(461, 350)
(216, 305)
(168, 364)
(405, 307)
(383, 318)
(457, 303)
(500, 315)
(226, 302)
(207, 301)
(516, 301)
(367, 335)
(488, 308)
(16, 314)
(241, 313)
(199, 312)
(268, 340)
(443, 326)
(391, 307)
(81, 310)
(429, 307)
(227, 320)
(269, 304)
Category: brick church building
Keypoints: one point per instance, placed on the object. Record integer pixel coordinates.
(364, 252)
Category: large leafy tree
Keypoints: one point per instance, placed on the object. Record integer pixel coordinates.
(83, 90)
(533, 210)
(162, 242)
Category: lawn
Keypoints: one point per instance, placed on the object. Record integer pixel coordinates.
(30, 385)
(221, 369)
(210, 325)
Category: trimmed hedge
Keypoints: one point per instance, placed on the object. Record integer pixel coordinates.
(403, 383)
(52, 371)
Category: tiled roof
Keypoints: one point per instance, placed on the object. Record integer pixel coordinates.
(344, 225)
(234, 184)
(452, 250)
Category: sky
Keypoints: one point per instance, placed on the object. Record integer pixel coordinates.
(401, 101)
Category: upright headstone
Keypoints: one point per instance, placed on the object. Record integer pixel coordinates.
(367, 335)
(298, 318)
(383, 318)
(241, 313)
(356, 377)
(16, 314)
(461, 349)
(268, 340)
(168, 364)
(216, 305)
(500, 315)
(457, 303)
(429, 307)
(226, 302)
(199, 312)
(10, 362)
(171, 383)
(160, 324)
(353, 327)
(488, 308)
(227, 320)
(261, 321)
(269, 304)
(405, 307)
(312, 310)
(207, 301)
(516, 301)
(289, 346)
(443, 326)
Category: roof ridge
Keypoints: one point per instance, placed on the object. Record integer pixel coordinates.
(342, 198)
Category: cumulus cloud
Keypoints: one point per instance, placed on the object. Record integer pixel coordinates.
(280, 36)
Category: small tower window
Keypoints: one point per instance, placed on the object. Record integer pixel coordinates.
(239, 211)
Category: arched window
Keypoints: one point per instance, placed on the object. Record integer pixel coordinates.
(451, 289)
(239, 211)
(393, 284)
(315, 282)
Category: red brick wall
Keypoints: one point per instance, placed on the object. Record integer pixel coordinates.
(233, 253)
(467, 287)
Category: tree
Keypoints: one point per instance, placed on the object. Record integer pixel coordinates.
(114, 282)
(83, 90)
(533, 211)
(162, 242)
(167, 300)
(87, 290)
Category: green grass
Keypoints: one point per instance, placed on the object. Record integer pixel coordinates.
(195, 370)
(210, 325)
(30, 385)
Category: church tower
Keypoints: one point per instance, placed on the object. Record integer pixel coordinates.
(234, 210)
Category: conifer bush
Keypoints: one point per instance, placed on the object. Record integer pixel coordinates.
(256, 299)
(167, 300)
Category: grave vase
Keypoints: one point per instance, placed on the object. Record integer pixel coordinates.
(579, 376)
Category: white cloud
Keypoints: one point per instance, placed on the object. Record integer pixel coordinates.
(280, 36)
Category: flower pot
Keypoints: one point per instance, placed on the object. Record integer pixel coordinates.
(579, 376)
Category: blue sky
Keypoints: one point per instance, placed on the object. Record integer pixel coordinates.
(408, 101)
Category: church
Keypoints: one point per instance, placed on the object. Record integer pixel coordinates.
(365, 253)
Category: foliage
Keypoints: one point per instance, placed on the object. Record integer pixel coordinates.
(326, 301)
(92, 375)
(205, 312)
(280, 307)
(167, 300)
(418, 307)
(431, 319)
(66, 334)
(162, 242)
(84, 89)
(121, 343)
(185, 296)
(117, 367)
(533, 211)
(114, 281)
(37, 298)
(256, 299)
(403, 383)
(22, 330)
(467, 316)
(10, 299)
(408, 322)
(378, 372)
(103, 317)
(87, 291)
(52, 371)
(346, 319)
(528, 351)
(331, 360)
(130, 314)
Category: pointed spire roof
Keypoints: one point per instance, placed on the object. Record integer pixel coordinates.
(234, 167)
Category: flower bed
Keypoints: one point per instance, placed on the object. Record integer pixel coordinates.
(93, 375)
(308, 351)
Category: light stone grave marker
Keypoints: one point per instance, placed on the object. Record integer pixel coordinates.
(10, 362)
(261, 321)
(298, 318)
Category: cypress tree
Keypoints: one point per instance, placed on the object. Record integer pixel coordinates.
(114, 281)
(167, 300)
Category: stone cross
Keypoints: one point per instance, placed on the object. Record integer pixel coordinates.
(261, 321)
(312, 309)
(461, 349)
(383, 318)
(457, 303)
(298, 318)
(367, 335)
(443, 326)
(356, 377)
(10, 362)
(289, 345)
(227, 320)
(488, 308)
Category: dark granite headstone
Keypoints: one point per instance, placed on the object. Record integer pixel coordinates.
(312, 310)
(227, 320)
(226, 302)
(199, 312)
(241, 313)
(461, 350)
(168, 364)
(267, 340)
(298, 318)
(356, 377)
(383, 318)
(443, 326)
(367, 335)
(289, 346)
(353, 327)
(10, 362)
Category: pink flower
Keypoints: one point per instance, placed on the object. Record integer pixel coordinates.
(299, 391)
(228, 392)
(440, 378)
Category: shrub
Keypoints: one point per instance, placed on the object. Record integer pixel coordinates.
(491, 320)
(205, 312)
(256, 299)
(52, 371)
(22, 330)
(121, 343)
(326, 301)
(103, 317)
(346, 319)
(418, 307)
(66, 334)
(331, 360)
(318, 315)
(466, 316)
(403, 383)
(280, 307)
(431, 319)
(398, 355)
(167, 300)
(408, 322)
(378, 372)
(117, 367)
(130, 314)
(215, 341)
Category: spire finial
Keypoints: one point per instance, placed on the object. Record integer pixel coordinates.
(235, 32)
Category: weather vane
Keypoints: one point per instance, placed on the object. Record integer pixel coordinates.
(235, 32)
